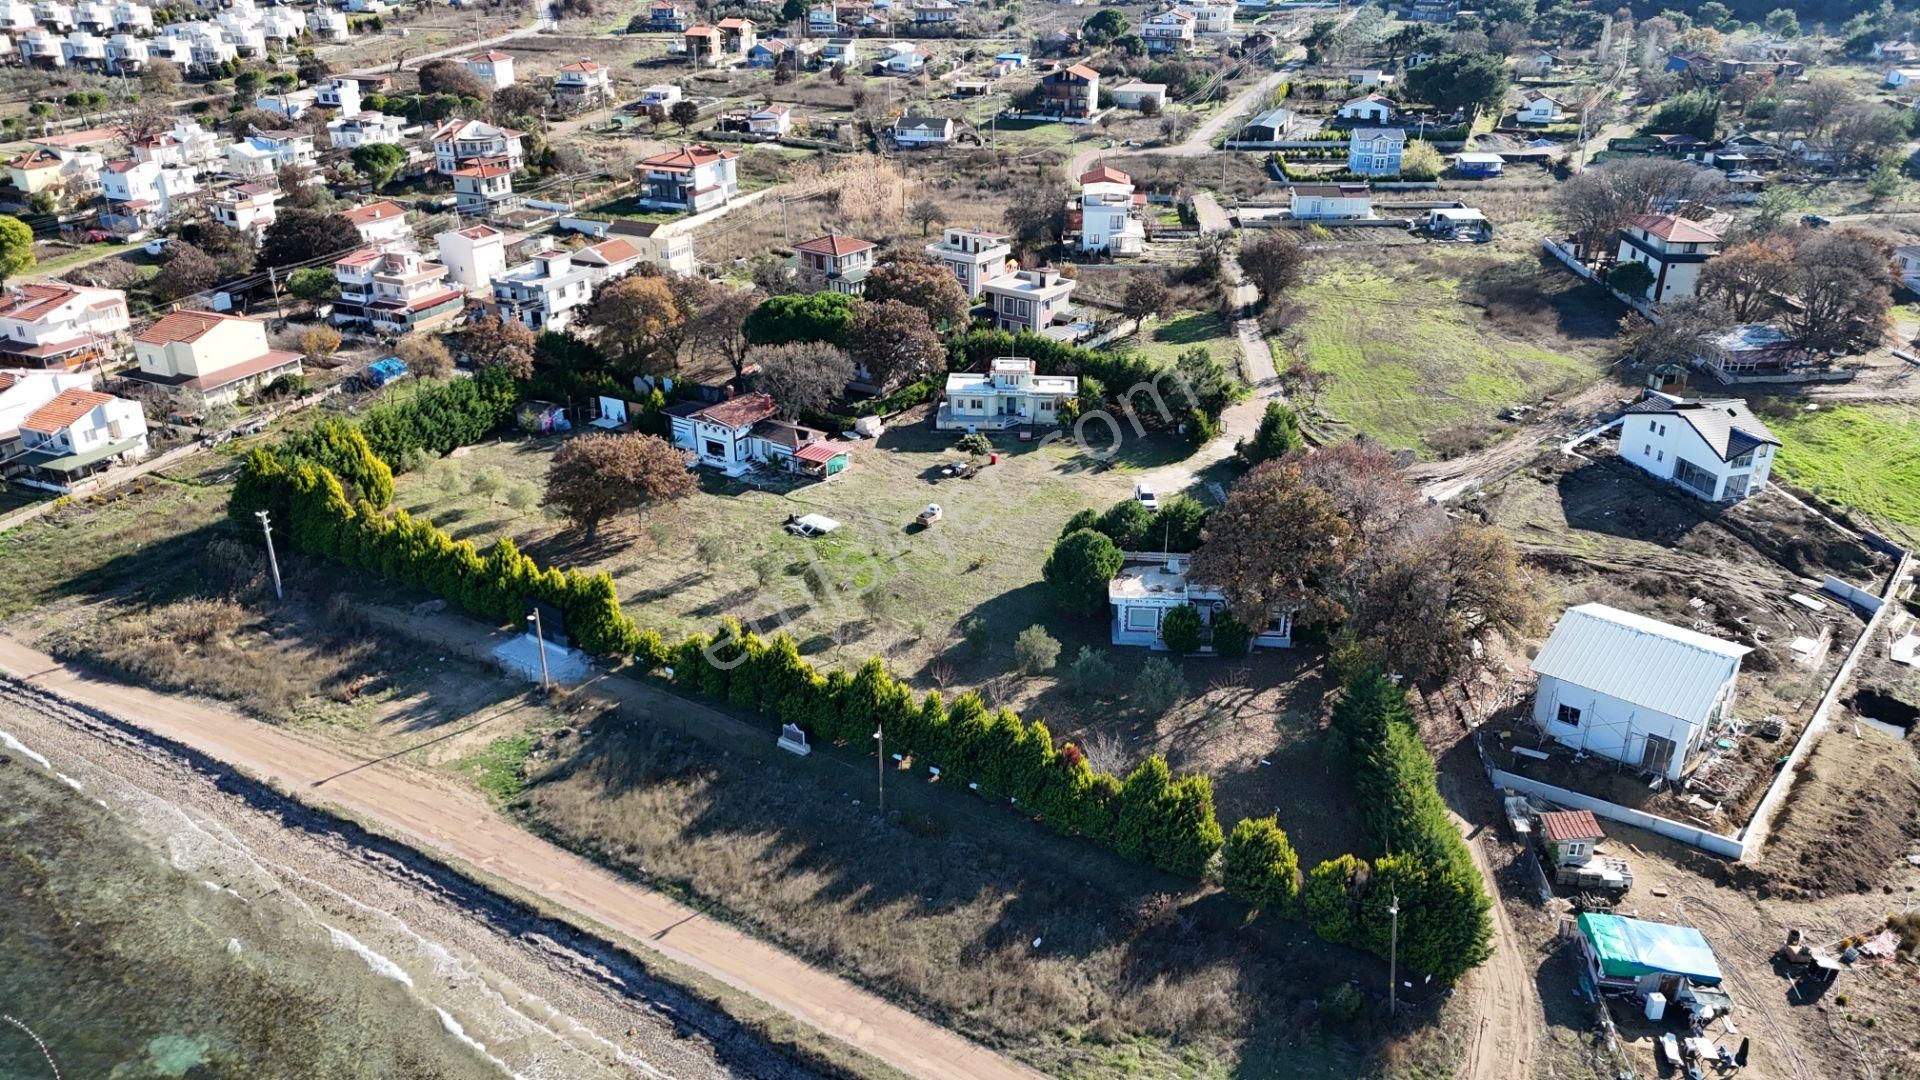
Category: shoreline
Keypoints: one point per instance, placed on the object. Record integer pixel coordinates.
(498, 970)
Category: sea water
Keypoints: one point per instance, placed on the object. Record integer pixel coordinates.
(125, 966)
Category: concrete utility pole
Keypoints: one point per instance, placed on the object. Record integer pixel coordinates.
(880, 737)
(273, 560)
(1393, 960)
(540, 642)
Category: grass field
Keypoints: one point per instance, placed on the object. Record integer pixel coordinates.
(1168, 338)
(1421, 352)
(1862, 456)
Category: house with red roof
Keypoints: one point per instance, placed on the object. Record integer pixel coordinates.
(692, 178)
(380, 222)
(582, 85)
(394, 290)
(1106, 213)
(75, 435)
(51, 324)
(211, 357)
(1672, 247)
(1071, 93)
(834, 262)
(745, 434)
(493, 68)
(1168, 31)
(460, 143)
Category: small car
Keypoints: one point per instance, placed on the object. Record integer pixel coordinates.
(1144, 494)
(1815, 221)
(928, 516)
(158, 245)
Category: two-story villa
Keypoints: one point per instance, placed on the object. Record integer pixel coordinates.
(1029, 299)
(1106, 213)
(1672, 247)
(834, 262)
(544, 291)
(75, 435)
(51, 324)
(212, 357)
(973, 256)
(693, 178)
(393, 290)
(1010, 394)
(460, 143)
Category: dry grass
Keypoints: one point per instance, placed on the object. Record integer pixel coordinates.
(1125, 978)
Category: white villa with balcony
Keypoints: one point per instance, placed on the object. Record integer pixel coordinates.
(973, 256)
(51, 324)
(1148, 587)
(394, 290)
(544, 291)
(1029, 300)
(1715, 450)
(1009, 395)
(693, 178)
(248, 208)
(460, 143)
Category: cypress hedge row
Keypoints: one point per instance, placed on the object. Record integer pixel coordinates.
(1445, 927)
(1151, 817)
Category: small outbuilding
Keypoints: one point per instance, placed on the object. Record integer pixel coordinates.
(1631, 689)
(1641, 958)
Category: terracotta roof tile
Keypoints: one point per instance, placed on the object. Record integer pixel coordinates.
(183, 326)
(834, 244)
(1570, 825)
(60, 413)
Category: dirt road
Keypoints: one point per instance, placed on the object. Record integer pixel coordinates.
(451, 821)
(1198, 141)
(1506, 1002)
(1448, 480)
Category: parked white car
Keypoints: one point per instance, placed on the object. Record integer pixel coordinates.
(1144, 494)
(811, 525)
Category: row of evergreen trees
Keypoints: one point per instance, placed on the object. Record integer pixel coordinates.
(1151, 817)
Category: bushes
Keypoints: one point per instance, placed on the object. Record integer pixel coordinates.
(1035, 650)
(1168, 822)
(1259, 865)
(1230, 636)
(1181, 629)
(1159, 686)
(442, 417)
(1077, 571)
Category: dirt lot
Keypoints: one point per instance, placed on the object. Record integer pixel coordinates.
(1604, 532)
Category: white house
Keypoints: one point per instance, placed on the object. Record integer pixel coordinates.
(771, 119)
(973, 256)
(582, 84)
(1900, 77)
(1209, 16)
(78, 433)
(1907, 258)
(1632, 689)
(1168, 31)
(1370, 77)
(479, 188)
(50, 324)
(381, 222)
(1673, 248)
(1107, 212)
(662, 94)
(213, 357)
(460, 143)
(327, 24)
(693, 178)
(1145, 590)
(1009, 394)
(262, 154)
(142, 195)
(248, 208)
(1372, 108)
(544, 291)
(366, 129)
(1539, 108)
(493, 68)
(912, 131)
(1310, 201)
(1029, 299)
(903, 58)
(842, 51)
(23, 391)
(1716, 450)
(742, 433)
(1375, 151)
(473, 256)
(394, 290)
(1135, 94)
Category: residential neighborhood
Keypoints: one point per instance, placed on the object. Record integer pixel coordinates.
(1182, 538)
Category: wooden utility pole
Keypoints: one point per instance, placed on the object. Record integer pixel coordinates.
(273, 560)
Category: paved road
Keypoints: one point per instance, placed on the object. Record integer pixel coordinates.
(452, 822)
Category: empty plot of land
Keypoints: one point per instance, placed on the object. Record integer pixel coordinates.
(1423, 353)
(1861, 457)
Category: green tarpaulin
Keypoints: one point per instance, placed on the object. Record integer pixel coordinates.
(1630, 948)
